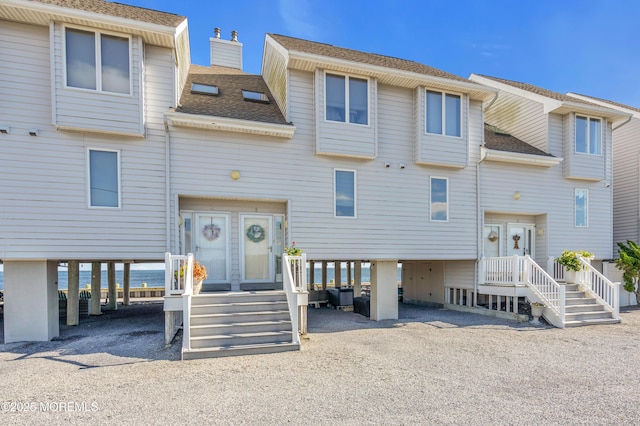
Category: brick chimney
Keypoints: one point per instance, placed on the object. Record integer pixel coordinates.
(226, 53)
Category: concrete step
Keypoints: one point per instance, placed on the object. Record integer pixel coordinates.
(590, 307)
(234, 297)
(222, 308)
(239, 350)
(571, 287)
(240, 339)
(233, 317)
(576, 294)
(581, 301)
(239, 328)
(582, 316)
(581, 323)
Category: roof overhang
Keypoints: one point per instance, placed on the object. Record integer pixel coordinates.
(518, 158)
(180, 119)
(35, 13)
(310, 62)
(566, 107)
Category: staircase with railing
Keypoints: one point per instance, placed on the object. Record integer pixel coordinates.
(593, 300)
(233, 323)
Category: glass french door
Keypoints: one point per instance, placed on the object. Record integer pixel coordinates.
(520, 239)
(257, 260)
(492, 237)
(212, 245)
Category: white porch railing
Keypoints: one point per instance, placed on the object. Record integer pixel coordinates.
(607, 292)
(295, 286)
(523, 270)
(178, 281)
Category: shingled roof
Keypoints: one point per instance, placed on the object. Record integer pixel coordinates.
(499, 140)
(611, 102)
(229, 103)
(119, 10)
(538, 90)
(322, 49)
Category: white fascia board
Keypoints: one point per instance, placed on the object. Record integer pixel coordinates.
(179, 119)
(519, 158)
(568, 106)
(547, 102)
(605, 104)
(95, 17)
(464, 86)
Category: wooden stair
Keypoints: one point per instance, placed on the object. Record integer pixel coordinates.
(239, 323)
(581, 310)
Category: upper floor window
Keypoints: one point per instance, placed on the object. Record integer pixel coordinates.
(582, 207)
(439, 199)
(345, 193)
(104, 178)
(444, 114)
(347, 99)
(97, 61)
(588, 135)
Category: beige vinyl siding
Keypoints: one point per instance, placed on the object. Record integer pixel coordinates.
(441, 150)
(274, 72)
(345, 139)
(182, 60)
(44, 210)
(225, 53)
(521, 117)
(98, 111)
(579, 165)
(459, 274)
(626, 184)
(392, 203)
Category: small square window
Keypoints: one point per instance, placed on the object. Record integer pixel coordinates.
(252, 96)
(204, 89)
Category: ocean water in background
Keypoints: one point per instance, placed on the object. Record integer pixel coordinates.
(155, 278)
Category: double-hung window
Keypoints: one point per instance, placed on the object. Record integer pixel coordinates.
(97, 61)
(104, 178)
(439, 199)
(582, 207)
(588, 135)
(444, 113)
(347, 99)
(345, 193)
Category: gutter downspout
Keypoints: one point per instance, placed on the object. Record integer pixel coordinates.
(621, 124)
(167, 182)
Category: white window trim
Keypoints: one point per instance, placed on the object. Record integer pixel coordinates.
(346, 98)
(98, 88)
(355, 193)
(575, 134)
(586, 208)
(444, 113)
(88, 160)
(227, 223)
(431, 198)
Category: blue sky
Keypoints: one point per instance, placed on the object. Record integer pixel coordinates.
(586, 46)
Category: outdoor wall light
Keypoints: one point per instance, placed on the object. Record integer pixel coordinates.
(540, 232)
(516, 195)
(402, 166)
(235, 174)
(4, 128)
(387, 164)
(34, 132)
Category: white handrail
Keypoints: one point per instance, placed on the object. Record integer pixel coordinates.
(552, 294)
(290, 265)
(607, 292)
(186, 304)
(174, 280)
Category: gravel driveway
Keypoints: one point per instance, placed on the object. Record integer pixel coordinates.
(430, 367)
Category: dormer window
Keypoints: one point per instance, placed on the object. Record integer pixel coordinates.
(588, 135)
(204, 89)
(252, 96)
(343, 91)
(96, 61)
(444, 113)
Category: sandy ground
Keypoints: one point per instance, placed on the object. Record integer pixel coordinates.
(431, 366)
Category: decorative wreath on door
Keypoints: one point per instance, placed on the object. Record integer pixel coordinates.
(211, 232)
(255, 233)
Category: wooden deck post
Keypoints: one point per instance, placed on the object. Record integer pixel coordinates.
(126, 283)
(112, 292)
(312, 275)
(349, 283)
(73, 293)
(357, 284)
(324, 275)
(337, 273)
(96, 293)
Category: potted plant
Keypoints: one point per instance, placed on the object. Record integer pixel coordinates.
(199, 275)
(536, 312)
(572, 265)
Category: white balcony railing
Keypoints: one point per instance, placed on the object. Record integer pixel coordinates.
(178, 281)
(600, 287)
(295, 286)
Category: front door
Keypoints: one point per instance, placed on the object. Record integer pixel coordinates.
(212, 245)
(257, 260)
(520, 239)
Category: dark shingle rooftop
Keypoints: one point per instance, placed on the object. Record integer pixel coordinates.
(230, 102)
(119, 10)
(322, 49)
(496, 139)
